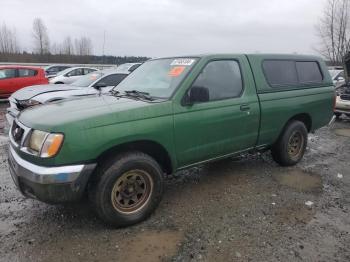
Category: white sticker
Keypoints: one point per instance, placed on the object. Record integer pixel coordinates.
(182, 62)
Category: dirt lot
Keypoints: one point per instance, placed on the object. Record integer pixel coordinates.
(246, 209)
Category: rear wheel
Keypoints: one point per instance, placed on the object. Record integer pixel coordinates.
(129, 187)
(291, 145)
(59, 83)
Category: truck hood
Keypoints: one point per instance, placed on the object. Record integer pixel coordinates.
(90, 112)
(32, 91)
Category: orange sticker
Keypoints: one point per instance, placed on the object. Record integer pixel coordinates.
(176, 71)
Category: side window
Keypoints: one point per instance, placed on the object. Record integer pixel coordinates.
(88, 70)
(113, 80)
(309, 72)
(76, 72)
(280, 72)
(7, 73)
(27, 72)
(222, 78)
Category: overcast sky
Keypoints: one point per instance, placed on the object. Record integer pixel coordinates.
(172, 27)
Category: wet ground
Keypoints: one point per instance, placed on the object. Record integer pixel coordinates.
(246, 209)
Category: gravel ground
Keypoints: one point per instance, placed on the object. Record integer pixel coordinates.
(244, 209)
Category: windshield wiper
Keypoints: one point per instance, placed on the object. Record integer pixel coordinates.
(134, 94)
(139, 94)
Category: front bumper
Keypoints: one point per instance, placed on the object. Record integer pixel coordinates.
(49, 184)
(342, 106)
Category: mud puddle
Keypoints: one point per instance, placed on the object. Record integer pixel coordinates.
(151, 246)
(293, 214)
(141, 246)
(342, 132)
(300, 180)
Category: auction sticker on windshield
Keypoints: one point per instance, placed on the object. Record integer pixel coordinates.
(182, 62)
(176, 71)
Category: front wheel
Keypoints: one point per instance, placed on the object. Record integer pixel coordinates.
(128, 189)
(291, 145)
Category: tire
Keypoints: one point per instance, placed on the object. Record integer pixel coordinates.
(348, 115)
(59, 83)
(291, 145)
(116, 193)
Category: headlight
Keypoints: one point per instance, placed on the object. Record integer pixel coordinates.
(45, 144)
(28, 103)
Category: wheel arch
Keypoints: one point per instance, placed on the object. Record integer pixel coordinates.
(305, 118)
(302, 117)
(149, 147)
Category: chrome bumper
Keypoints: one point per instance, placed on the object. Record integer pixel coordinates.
(49, 184)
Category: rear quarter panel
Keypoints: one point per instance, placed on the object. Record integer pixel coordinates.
(278, 106)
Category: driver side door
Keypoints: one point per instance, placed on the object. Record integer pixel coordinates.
(227, 123)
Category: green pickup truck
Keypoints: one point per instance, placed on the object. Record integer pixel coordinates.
(170, 114)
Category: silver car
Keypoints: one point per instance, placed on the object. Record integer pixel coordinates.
(52, 70)
(338, 77)
(91, 84)
(70, 75)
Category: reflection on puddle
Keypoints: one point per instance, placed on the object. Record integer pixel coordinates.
(342, 132)
(299, 180)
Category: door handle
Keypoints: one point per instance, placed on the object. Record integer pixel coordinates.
(245, 107)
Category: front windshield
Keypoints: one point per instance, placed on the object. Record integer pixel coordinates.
(124, 67)
(65, 71)
(158, 77)
(87, 80)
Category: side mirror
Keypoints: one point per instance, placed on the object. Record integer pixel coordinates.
(99, 85)
(197, 94)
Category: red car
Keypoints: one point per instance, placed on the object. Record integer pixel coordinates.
(13, 78)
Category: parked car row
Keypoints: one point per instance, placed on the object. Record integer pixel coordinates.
(13, 78)
(168, 115)
(91, 84)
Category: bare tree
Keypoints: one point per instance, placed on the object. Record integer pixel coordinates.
(83, 46)
(67, 46)
(41, 38)
(8, 40)
(333, 30)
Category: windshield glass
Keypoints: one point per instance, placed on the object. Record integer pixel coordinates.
(124, 67)
(65, 71)
(158, 77)
(88, 79)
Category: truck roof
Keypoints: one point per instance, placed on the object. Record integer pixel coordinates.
(260, 55)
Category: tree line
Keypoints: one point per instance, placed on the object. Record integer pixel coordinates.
(334, 31)
(70, 50)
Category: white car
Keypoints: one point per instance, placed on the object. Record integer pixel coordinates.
(342, 105)
(338, 77)
(92, 84)
(70, 75)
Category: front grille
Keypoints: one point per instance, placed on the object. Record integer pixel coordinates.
(17, 132)
(345, 97)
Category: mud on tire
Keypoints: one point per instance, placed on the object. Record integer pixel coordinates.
(127, 189)
(291, 145)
